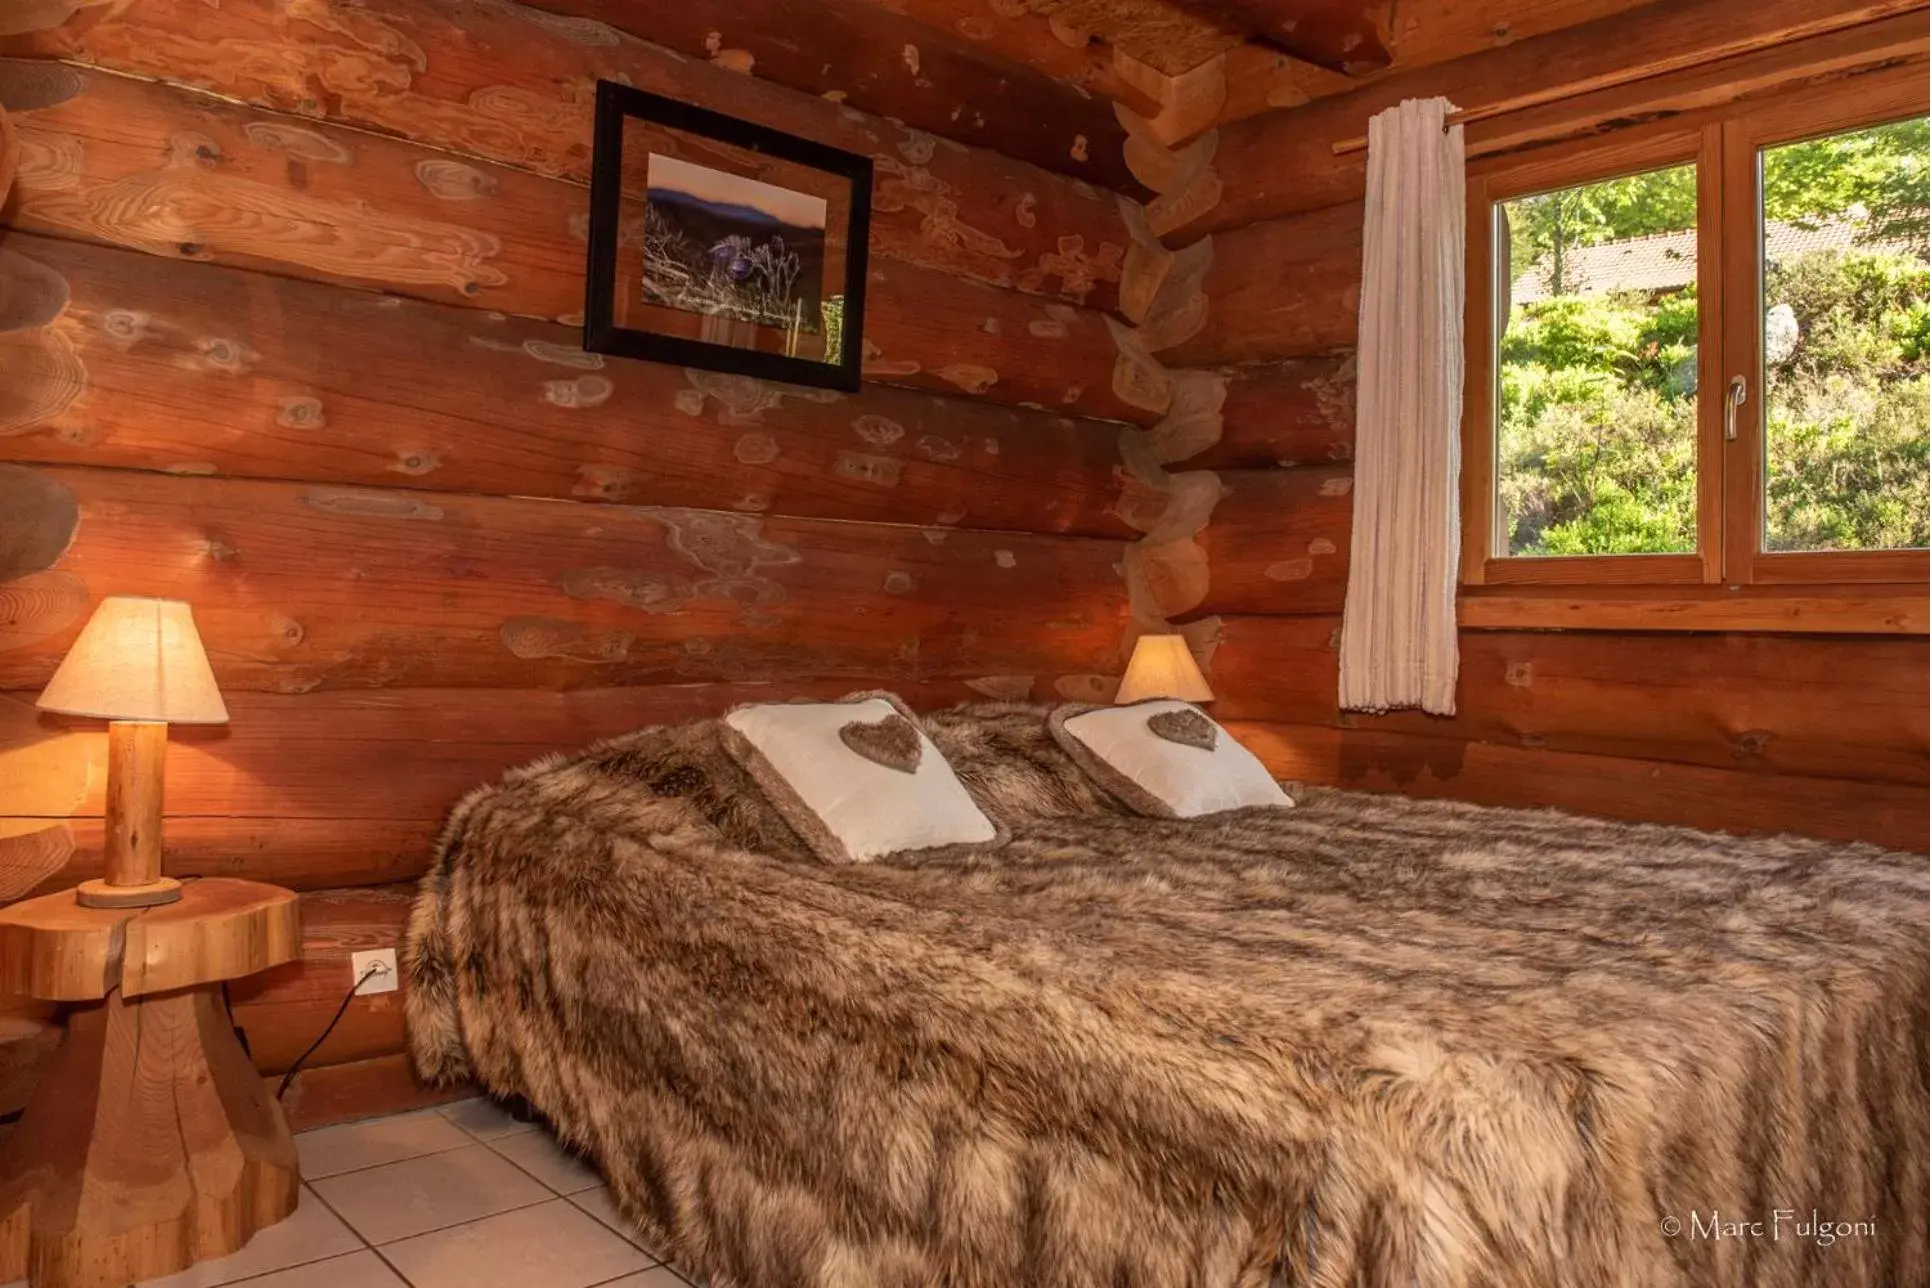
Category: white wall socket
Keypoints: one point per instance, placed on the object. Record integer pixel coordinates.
(384, 980)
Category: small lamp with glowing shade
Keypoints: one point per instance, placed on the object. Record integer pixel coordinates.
(139, 665)
(1162, 666)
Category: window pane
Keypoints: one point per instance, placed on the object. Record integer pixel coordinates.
(1596, 406)
(1846, 340)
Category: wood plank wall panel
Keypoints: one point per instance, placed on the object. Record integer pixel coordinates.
(307, 359)
(161, 364)
(1819, 733)
(504, 82)
(180, 174)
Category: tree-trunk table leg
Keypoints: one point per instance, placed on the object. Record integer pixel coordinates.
(150, 1144)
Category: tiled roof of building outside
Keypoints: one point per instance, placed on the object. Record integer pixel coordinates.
(1666, 261)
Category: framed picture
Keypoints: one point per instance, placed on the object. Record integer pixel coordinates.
(723, 245)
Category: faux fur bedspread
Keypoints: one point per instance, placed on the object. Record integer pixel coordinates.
(1369, 1042)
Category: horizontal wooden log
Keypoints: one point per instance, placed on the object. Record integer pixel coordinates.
(297, 853)
(1283, 162)
(890, 66)
(1010, 33)
(175, 173)
(1634, 790)
(282, 1011)
(337, 1093)
(345, 787)
(930, 331)
(1169, 38)
(1297, 412)
(159, 364)
(1306, 301)
(1279, 541)
(1774, 705)
(1430, 32)
(298, 587)
(507, 83)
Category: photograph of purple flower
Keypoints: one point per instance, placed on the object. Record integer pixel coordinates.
(722, 245)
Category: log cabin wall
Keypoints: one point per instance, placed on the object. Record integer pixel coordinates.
(288, 310)
(1811, 715)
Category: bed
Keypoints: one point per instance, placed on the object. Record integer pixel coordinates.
(1369, 1041)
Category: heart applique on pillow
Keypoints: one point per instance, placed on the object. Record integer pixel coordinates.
(1188, 728)
(892, 742)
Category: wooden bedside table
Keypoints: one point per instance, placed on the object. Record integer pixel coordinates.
(151, 1143)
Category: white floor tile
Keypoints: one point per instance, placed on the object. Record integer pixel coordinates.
(397, 1200)
(551, 1246)
(331, 1151)
(601, 1204)
(657, 1277)
(357, 1270)
(312, 1233)
(484, 1119)
(538, 1154)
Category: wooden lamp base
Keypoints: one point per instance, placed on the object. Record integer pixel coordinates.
(136, 766)
(151, 1144)
(102, 894)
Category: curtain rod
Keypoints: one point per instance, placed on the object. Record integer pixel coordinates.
(1685, 61)
(1519, 103)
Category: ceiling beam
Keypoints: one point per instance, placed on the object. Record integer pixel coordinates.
(1348, 36)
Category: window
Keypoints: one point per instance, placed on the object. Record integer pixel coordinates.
(1845, 227)
(1701, 355)
(1595, 412)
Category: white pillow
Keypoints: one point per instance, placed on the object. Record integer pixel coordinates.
(1195, 767)
(839, 790)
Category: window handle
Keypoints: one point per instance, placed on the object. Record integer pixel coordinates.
(1738, 395)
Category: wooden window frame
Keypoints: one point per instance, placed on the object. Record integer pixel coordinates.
(1900, 94)
(1731, 506)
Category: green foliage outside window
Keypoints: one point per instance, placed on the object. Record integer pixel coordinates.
(1598, 390)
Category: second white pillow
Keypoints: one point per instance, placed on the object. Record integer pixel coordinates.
(1166, 758)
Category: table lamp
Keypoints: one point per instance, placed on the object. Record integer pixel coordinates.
(138, 664)
(1163, 667)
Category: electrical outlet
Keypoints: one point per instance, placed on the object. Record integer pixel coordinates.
(382, 962)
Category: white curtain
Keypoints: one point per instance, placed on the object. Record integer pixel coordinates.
(1397, 641)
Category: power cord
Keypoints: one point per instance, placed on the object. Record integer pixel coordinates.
(375, 968)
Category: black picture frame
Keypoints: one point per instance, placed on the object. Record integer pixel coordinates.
(601, 334)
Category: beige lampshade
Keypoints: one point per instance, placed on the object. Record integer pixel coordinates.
(137, 659)
(1163, 667)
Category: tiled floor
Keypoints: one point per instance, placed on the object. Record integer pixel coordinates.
(462, 1196)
